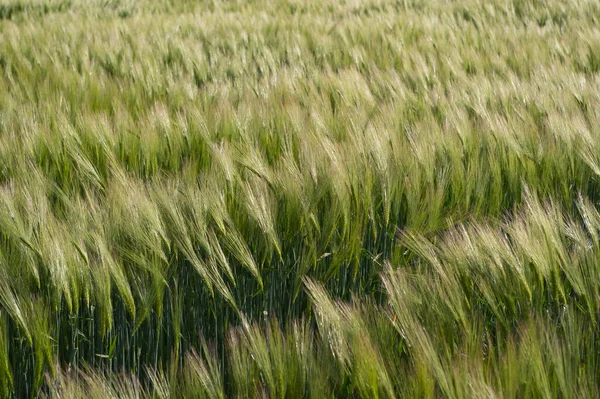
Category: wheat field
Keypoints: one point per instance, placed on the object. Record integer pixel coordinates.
(299, 198)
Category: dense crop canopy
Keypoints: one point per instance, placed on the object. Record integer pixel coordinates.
(299, 198)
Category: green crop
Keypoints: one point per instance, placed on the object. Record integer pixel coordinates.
(299, 198)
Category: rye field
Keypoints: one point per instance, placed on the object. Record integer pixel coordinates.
(299, 199)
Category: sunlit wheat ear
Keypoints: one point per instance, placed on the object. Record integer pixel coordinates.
(161, 386)
(95, 385)
(14, 308)
(258, 201)
(203, 375)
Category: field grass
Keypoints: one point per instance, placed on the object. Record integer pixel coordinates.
(299, 198)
